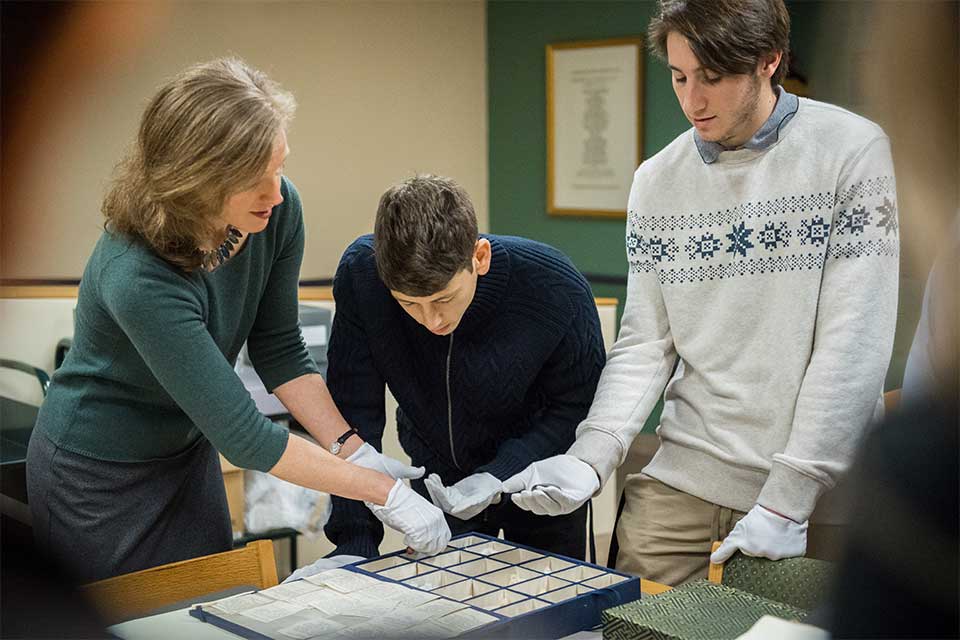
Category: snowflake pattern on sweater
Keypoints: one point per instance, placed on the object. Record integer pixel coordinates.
(755, 237)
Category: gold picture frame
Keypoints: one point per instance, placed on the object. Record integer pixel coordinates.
(594, 125)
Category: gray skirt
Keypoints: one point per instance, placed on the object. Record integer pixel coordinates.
(100, 519)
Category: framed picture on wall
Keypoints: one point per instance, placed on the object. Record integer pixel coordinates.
(594, 125)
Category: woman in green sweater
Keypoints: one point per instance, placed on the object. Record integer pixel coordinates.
(201, 252)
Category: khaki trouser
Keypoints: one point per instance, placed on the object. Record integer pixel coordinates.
(665, 535)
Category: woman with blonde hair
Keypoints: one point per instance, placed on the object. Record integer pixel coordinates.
(200, 253)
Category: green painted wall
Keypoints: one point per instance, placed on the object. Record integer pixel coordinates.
(517, 34)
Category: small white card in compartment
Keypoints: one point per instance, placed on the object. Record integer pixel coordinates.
(540, 585)
(521, 608)
(460, 543)
(548, 564)
(566, 593)
(451, 558)
(606, 580)
(273, 611)
(489, 547)
(405, 571)
(434, 580)
(579, 574)
(518, 556)
(496, 599)
(479, 567)
(465, 590)
(509, 576)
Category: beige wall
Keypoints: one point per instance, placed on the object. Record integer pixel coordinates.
(385, 89)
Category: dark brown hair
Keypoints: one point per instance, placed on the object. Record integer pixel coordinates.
(727, 36)
(425, 233)
(207, 134)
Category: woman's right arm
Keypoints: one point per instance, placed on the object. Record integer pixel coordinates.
(309, 465)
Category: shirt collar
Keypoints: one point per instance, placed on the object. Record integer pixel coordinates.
(766, 135)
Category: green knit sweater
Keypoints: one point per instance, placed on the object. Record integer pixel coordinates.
(151, 366)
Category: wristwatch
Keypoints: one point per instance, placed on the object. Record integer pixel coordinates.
(338, 443)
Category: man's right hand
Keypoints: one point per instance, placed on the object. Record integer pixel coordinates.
(423, 526)
(554, 486)
(367, 456)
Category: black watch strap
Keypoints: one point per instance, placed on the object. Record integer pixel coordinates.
(338, 443)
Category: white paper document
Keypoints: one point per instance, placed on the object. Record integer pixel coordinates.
(290, 590)
(465, 620)
(312, 628)
(274, 611)
(241, 602)
(343, 581)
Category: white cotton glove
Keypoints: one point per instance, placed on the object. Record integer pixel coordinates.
(323, 564)
(554, 486)
(763, 534)
(466, 498)
(423, 526)
(367, 456)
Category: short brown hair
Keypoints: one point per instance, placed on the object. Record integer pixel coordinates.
(727, 36)
(208, 133)
(425, 233)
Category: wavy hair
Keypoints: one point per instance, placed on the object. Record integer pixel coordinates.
(425, 232)
(208, 133)
(726, 36)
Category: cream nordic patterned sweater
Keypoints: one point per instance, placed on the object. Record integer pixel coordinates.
(769, 278)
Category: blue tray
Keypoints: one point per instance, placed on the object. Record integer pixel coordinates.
(527, 592)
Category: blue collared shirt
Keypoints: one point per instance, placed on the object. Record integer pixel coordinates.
(766, 135)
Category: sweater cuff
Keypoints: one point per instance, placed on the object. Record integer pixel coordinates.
(601, 450)
(503, 466)
(790, 492)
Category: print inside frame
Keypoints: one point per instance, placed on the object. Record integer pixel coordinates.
(594, 125)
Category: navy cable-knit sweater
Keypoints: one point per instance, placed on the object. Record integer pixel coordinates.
(508, 387)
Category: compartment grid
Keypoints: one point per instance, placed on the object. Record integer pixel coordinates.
(507, 581)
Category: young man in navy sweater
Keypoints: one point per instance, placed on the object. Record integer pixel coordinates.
(491, 346)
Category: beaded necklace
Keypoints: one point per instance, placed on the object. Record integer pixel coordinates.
(213, 258)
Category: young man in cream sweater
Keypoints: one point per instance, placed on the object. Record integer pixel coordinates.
(761, 302)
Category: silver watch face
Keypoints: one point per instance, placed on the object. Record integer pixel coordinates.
(335, 448)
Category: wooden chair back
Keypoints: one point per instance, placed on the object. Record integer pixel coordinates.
(136, 594)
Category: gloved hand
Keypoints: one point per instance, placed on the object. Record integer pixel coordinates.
(367, 456)
(423, 526)
(322, 564)
(466, 498)
(765, 534)
(554, 486)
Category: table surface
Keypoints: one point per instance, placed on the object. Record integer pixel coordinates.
(180, 624)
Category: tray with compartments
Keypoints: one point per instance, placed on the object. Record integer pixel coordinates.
(478, 587)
